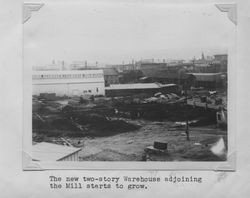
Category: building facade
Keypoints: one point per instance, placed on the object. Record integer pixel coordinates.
(119, 90)
(169, 75)
(68, 83)
(111, 76)
(208, 80)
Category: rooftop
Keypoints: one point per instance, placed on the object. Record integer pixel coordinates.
(91, 71)
(205, 74)
(51, 152)
(138, 86)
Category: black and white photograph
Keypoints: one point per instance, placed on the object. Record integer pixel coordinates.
(128, 82)
(124, 98)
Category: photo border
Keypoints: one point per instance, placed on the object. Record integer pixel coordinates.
(229, 165)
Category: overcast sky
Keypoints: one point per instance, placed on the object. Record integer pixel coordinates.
(115, 32)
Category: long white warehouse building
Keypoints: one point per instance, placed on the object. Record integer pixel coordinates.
(68, 82)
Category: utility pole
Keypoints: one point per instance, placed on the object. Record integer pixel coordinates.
(187, 124)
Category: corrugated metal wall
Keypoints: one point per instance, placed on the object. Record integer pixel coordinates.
(73, 157)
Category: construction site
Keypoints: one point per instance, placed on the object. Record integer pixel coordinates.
(150, 126)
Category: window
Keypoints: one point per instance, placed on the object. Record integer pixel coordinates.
(89, 91)
(97, 90)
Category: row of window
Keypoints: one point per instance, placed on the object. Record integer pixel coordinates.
(58, 76)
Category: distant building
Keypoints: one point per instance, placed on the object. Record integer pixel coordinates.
(202, 62)
(212, 68)
(153, 66)
(208, 80)
(222, 60)
(210, 58)
(139, 88)
(47, 67)
(123, 67)
(60, 65)
(111, 76)
(68, 83)
(210, 64)
(53, 152)
(220, 57)
(83, 65)
(172, 65)
(132, 76)
(76, 65)
(169, 75)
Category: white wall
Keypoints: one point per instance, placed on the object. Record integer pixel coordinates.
(85, 84)
(69, 89)
(72, 157)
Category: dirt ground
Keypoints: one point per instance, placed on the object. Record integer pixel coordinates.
(130, 146)
(51, 123)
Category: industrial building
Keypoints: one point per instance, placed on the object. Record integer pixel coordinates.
(139, 88)
(68, 82)
(208, 80)
(169, 75)
(111, 76)
(53, 152)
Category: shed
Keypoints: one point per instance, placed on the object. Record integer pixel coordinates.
(45, 151)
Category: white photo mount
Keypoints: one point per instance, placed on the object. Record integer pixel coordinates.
(229, 165)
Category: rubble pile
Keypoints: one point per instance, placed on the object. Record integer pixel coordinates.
(77, 121)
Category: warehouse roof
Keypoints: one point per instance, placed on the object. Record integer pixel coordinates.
(138, 86)
(89, 71)
(51, 152)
